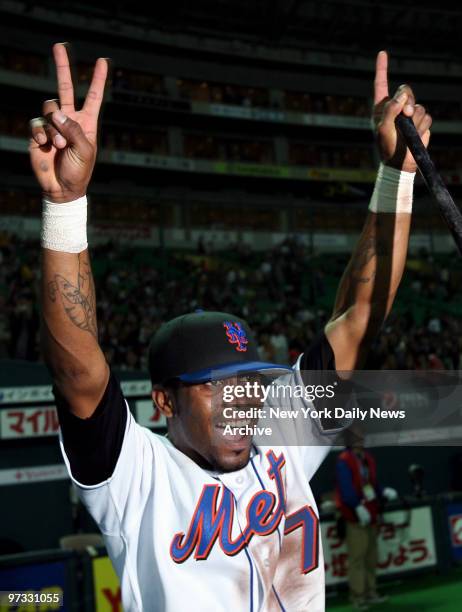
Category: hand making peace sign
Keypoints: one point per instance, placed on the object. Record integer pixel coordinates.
(64, 140)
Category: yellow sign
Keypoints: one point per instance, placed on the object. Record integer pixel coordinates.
(106, 586)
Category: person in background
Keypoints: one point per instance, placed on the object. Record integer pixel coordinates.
(279, 343)
(358, 497)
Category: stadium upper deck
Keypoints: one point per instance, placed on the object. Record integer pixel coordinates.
(205, 120)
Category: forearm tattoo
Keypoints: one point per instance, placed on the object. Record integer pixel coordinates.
(375, 242)
(79, 300)
(366, 251)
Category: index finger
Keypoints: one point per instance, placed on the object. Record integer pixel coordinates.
(63, 74)
(95, 94)
(381, 77)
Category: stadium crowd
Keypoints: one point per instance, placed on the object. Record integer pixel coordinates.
(285, 294)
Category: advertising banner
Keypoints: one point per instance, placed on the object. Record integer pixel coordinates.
(106, 588)
(33, 474)
(406, 542)
(454, 513)
(28, 422)
(148, 416)
(28, 412)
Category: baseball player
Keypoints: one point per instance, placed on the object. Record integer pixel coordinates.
(199, 519)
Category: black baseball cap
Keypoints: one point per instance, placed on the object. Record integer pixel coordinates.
(202, 346)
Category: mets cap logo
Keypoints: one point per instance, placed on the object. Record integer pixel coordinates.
(236, 335)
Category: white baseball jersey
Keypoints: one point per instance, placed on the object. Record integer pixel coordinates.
(184, 538)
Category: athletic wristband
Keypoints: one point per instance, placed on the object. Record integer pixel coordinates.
(64, 226)
(393, 191)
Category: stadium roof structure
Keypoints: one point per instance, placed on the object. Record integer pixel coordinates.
(423, 28)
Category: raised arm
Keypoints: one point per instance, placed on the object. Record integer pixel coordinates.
(371, 279)
(63, 151)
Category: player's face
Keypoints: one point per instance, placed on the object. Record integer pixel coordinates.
(197, 427)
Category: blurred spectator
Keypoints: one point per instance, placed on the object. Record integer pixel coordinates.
(359, 496)
(24, 62)
(333, 155)
(221, 93)
(203, 146)
(279, 343)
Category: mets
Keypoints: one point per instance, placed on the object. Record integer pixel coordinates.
(236, 335)
(213, 521)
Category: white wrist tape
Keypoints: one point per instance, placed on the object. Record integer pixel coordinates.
(393, 191)
(64, 226)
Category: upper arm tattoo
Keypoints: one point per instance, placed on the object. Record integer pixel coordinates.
(78, 299)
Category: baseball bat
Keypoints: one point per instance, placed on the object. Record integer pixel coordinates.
(433, 180)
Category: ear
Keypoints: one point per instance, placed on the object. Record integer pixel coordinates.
(163, 400)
